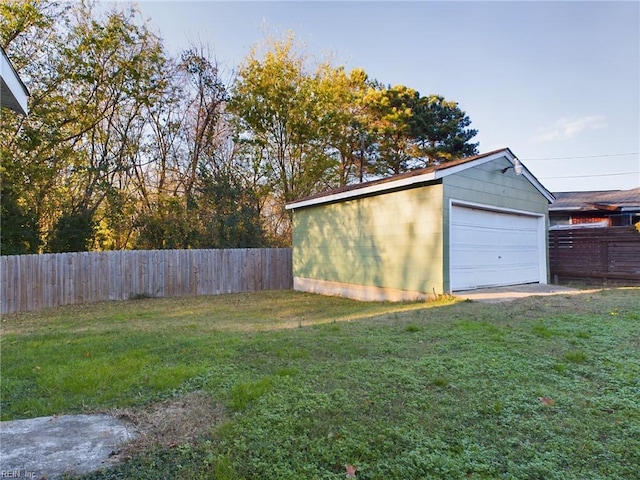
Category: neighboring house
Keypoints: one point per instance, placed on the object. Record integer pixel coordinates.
(612, 208)
(13, 93)
(475, 222)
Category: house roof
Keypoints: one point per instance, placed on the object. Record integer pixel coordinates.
(414, 178)
(13, 93)
(615, 200)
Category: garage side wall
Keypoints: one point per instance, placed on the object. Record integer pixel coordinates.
(383, 247)
(487, 185)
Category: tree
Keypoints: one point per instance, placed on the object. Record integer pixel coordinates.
(282, 120)
(117, 74)
(18, 225)
(348, 132)
(205, 129)
(167, 225)
(413, 132)
(390, 117)
(229, 211)
(72, 232)
(127, 147)
(440, 130)
(26, 170)
(187, 131)
(92, 80)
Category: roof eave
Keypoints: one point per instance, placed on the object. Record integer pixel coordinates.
(565, 209)
(416, 180)
(14, 92)
(362, 192)
(512, 158)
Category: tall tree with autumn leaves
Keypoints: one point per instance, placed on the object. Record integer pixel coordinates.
(314, 126)
(127, 147)
(286, 113)
(331, 125)
(92, 79)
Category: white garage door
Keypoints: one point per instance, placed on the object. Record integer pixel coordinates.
(491, 248)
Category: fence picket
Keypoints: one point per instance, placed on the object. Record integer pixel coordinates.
(595, 253)
(29, 282)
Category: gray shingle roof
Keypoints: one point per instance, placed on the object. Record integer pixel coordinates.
(605, 199)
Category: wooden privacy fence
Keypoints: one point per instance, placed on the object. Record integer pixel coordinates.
(30, 282)
(596, 253)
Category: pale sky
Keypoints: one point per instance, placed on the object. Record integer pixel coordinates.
(557, 82)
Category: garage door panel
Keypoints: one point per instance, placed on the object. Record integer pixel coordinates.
(489, 248)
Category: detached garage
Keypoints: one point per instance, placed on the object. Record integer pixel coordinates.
(475, 222)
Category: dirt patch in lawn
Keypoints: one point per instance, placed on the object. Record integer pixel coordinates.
(174, 422)
(50, 447)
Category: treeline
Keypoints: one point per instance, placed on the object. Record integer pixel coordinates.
(128, 147)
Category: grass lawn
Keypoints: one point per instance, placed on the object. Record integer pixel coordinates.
(285, 385)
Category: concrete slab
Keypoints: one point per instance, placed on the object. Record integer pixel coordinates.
(49, 447)
(510, 293)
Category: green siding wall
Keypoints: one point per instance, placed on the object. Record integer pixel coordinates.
(394, 240)
(487, 185)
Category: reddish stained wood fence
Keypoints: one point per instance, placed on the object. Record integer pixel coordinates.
(30, 282)
(596, 253)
